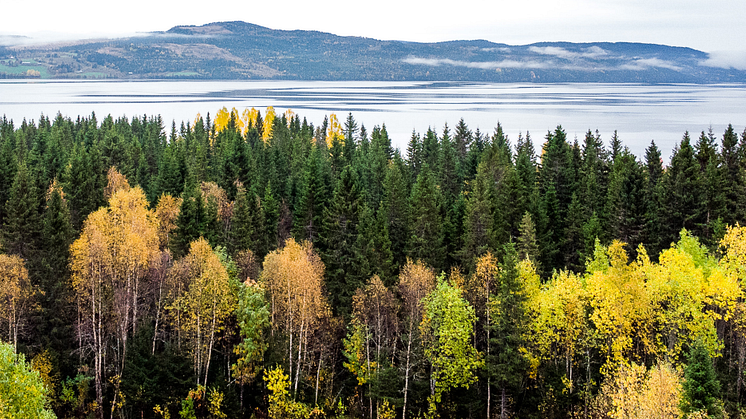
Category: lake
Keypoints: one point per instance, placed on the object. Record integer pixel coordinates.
(640, 113)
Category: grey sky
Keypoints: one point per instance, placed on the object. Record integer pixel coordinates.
(711, 26)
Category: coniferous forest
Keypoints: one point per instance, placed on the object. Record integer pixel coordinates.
(258, 265)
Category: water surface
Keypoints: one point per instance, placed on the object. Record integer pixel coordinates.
(640, 113)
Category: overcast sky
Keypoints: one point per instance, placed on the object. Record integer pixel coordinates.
(708, 25)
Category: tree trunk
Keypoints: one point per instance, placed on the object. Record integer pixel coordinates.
(406, 373)
(502, 405)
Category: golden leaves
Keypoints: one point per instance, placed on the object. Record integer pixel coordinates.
(334, 131)
(166, 212)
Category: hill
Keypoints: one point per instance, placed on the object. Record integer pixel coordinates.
(240, 50)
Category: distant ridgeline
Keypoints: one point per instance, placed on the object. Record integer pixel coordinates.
(215, 269)
(239, 50)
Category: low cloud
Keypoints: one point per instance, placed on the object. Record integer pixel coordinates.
(646, 63)
(591, 52)
(726, 59)
(484, 65)
(499, 49)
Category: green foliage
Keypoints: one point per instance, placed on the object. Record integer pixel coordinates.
(701, 388)
(22, 392)
(448, 325)
(280, 404)
(253, 318)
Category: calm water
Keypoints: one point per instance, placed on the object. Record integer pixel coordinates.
(640, 113)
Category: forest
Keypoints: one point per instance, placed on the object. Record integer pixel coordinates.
(254, 265)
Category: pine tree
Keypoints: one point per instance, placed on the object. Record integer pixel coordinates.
(681, 201)
(426, 222)
(57, 236)
(395, 210)
(191, 222)
(376, 244)
(711, 186)
(526, 245)
(625, 205)
(346, 268)
(654, 209)
(23, 224)
(309, 215)
(478, 222)
(735, 198)
(701, 387)
(506, 364)
(242, 224)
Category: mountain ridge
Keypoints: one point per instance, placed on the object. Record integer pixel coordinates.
(241, 50)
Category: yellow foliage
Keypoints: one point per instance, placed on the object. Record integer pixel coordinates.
(222, 118)
(622, 308)
(211, 191)
(15, 295)
(207, 302)
(561, 320)
(166, 212)
(634, 393)
(334, 131)
(117, 182)
(690, 293)
(294, 276)
(280, 404)
(42, 364)
(269, 120)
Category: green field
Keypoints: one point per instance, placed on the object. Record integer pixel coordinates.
(21, 69)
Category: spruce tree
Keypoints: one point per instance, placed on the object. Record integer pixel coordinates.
(343, 256)
(309, 215)
(55, 327)
(479, 236)
(701, 387)
(191, 222)
(23, 223)
(654, 208)
(506, 364)
(426, 222)
(395, 210)
(526, 245)
(735, 198)
(681, 200)
(242, 232)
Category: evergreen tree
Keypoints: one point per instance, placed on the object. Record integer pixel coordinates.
(462, 138)
(23, 224)
(426, 222)
(350, 134)
(654, 198)
(574, 240)
(733, 188)
(309, 215)
(376, 244)
(681, 186)
(506, 364)
(711, 186)
(395, 210)
(55, 328)
(242, 232)
(625, 205)
(526, 245)
(701, 387)
(479, 236)
(191, 222)
(346, 268)
(414, 155)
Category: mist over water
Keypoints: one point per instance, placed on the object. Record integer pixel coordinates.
(640, 113)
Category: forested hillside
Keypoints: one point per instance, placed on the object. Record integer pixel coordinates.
(241, 50)
(257, 265)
